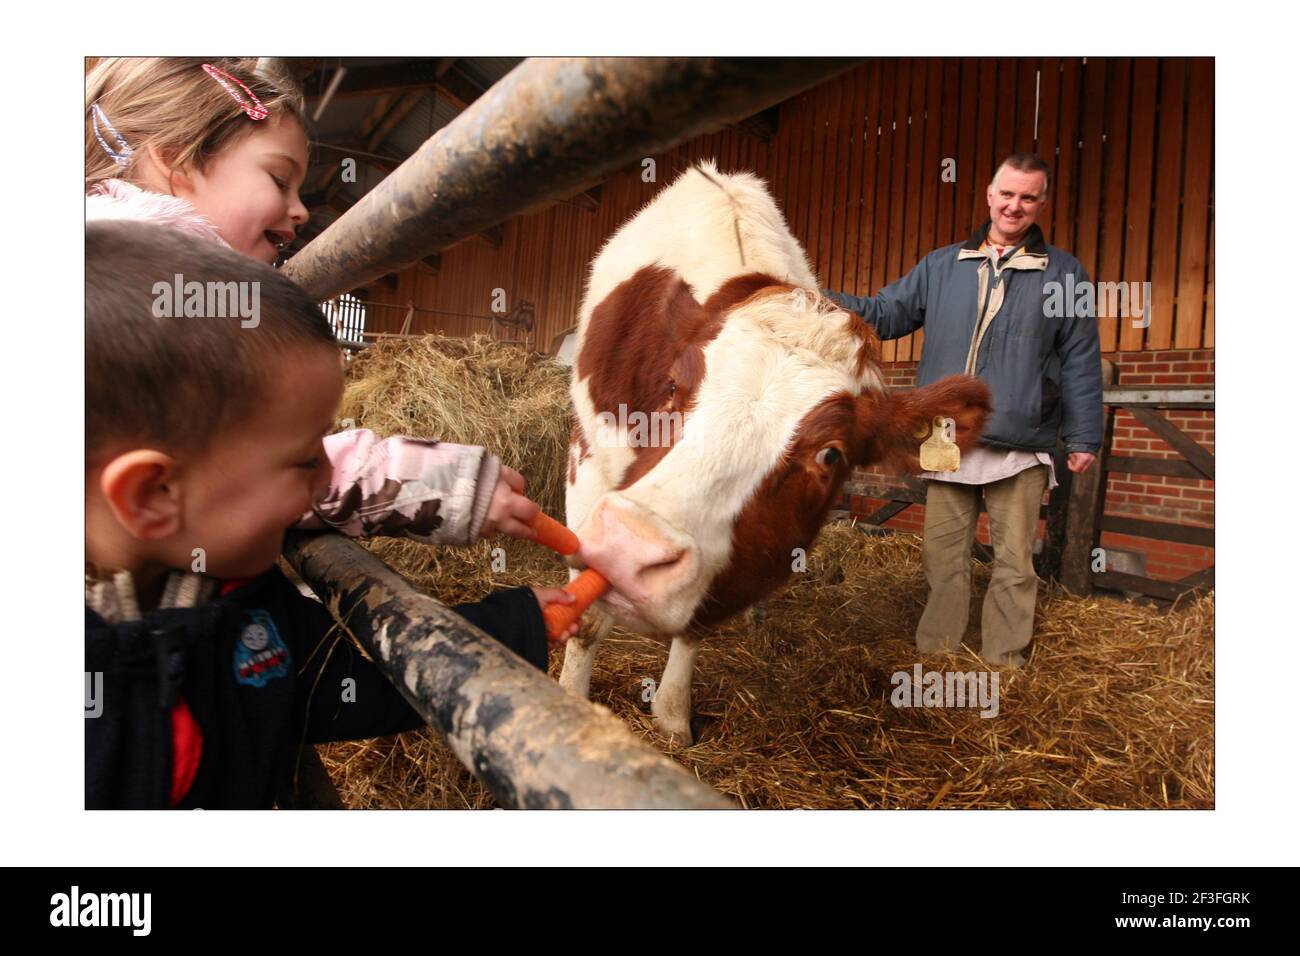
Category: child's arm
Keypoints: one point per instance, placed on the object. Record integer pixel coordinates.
(435, 492)
(371, 706)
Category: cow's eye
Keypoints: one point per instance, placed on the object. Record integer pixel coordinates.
(829, 457)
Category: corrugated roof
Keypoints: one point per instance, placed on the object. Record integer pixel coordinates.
(429, 115)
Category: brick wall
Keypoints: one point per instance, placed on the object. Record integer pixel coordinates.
(1151, 497)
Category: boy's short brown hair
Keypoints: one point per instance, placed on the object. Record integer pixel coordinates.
(156, 376)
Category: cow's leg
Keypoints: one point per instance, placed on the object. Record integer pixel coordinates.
(672, 703)
(585, 486)
(580, 652)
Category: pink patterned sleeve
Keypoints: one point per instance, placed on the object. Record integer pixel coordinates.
(432, 491)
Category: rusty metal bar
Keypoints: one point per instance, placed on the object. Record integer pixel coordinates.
(532, 744)
(550, 128)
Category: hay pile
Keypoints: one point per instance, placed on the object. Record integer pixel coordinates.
(793, 707)
(472, 392)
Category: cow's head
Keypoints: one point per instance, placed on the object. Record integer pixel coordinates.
(780, 397)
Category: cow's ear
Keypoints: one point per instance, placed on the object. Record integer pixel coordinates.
(889, 424)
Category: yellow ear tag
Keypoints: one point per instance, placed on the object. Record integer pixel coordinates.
(939, 452)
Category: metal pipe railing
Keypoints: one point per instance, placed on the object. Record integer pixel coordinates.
(532, 744)
(550, 128)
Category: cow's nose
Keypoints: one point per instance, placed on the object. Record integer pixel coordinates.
(657, 570)
(642, 558)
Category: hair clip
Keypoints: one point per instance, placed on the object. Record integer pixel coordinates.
(123, 154)
(255, 110)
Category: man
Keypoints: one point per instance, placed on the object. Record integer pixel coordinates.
(986, 310)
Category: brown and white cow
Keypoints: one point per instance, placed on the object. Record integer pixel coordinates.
(719, 403)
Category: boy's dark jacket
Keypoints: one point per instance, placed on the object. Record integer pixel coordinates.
(259, 669)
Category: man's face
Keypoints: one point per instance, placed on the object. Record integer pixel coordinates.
(1015, 200)
(260, 476)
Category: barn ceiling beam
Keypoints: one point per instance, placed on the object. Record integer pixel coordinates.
(552, 127)
(380, 78)
(372, 139)
(376, 127)
(377, 113)
(459, 88)
(323, 200)
(456, 86)
(588, 199)
(762, 126)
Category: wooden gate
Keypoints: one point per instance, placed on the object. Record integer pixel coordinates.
(1077, 512)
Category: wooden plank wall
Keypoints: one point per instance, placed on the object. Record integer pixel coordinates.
(855, 165)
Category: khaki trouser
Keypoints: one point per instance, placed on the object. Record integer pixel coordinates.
(951, 514)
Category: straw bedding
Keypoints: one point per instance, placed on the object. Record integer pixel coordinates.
(793, 703)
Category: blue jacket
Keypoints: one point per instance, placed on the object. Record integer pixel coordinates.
(1023, 332)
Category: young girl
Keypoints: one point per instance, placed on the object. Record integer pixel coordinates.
(218, 148)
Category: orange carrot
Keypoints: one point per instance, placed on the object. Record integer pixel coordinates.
(586, 587)
(554, 535)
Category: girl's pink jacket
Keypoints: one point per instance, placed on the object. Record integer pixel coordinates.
(431, 491)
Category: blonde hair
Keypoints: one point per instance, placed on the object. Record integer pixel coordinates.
(173, 105)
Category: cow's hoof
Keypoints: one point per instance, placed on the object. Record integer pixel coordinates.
(675, 732)
(1006, 659)
(937, 645)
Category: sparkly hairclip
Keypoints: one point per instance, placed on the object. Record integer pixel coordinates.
(255, 110)
(123, 154)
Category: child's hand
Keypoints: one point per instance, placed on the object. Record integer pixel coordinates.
(509, 511)
(547, 596)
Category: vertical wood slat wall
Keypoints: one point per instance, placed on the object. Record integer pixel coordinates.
(856, 167)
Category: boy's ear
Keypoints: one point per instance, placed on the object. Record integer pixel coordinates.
(140, 488)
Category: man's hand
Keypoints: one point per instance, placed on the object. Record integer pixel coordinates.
(1081, 461)
(509, 511)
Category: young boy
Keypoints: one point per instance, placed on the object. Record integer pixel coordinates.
(203, 444)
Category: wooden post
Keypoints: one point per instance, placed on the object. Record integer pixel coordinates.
(1085, 504)
(1058, 503)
